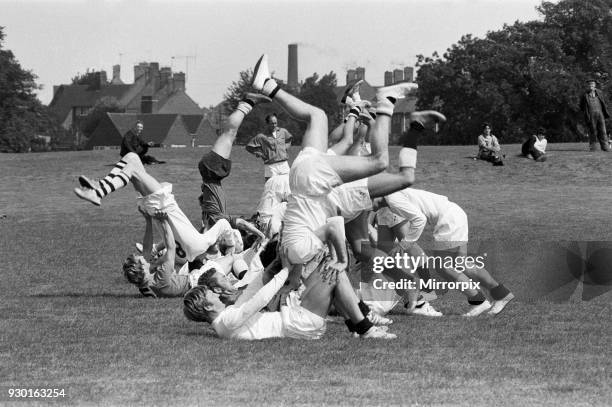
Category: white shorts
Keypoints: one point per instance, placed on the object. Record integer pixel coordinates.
(311, 175)
(386, 217)
(302, 246)
(298, 322)
(351, 199)
(273, 223)
(279, 168)
(452, 228)
(192, 242)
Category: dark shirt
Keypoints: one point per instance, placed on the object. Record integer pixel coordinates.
(271, 149)
(132, 143)
(587, 102)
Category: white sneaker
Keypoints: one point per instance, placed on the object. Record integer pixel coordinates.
(382, 328)
(352, 91)
(88, 195)
(427, 118)
(397, 91)
(426, 310)
(261, 72)
(86, 182)
(499, 305)
(377, 333)
(379, 319)
(476, 310)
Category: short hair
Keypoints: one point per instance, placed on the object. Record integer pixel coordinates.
(485, 124)
(195, 303)
(270, 116)
(541, 130)
(205, 277)
(139, 122)
(133, 272)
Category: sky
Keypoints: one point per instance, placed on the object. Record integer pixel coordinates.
(212, 41)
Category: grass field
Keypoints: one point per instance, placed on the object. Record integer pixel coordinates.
(68, 319)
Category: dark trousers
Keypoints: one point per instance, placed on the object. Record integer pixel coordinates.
(529, 148)
(597, 131)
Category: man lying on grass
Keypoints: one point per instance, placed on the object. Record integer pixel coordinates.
(301, 316)
(157, 276)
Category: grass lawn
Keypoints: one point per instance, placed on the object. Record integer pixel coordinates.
(69, 320)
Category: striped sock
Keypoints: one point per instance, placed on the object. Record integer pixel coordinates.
(115, 179)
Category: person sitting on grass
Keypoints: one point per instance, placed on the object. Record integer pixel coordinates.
(301, 316)
(488, 146)
(535, 146)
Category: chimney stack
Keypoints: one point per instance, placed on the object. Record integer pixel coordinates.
(292, 67)
(409, 74)
(117, 75)
(178, 80)
(360, 73)
(351, 76)
(165, 74)
(154, 72)
(388, 78)
(398, 75)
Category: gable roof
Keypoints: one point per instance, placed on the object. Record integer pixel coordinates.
(176, 102)
(192, 122)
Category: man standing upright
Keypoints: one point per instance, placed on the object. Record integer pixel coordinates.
(271, 146)
(595, 112)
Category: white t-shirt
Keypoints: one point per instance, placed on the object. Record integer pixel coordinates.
(540, 145)
(244, 321)
(418, 206)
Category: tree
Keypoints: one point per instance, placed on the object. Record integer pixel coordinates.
(103, 106)
(521, 77)
(22, 116)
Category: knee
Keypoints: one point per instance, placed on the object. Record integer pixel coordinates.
(317, 115)
(134, 164)
(381, 160)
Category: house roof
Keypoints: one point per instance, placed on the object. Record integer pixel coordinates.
(176, 102)
(192, 122)
(69, 96)
(156, 126)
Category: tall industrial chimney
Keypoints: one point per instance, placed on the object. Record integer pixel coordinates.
(292, 68)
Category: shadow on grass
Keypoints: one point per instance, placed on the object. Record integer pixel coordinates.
(209, 333)
(85, 295)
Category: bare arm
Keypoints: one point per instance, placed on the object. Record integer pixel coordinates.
(237, 317)
(168, 237)
(343, 145)
(147, 240)
(249, 227)
(333, 233)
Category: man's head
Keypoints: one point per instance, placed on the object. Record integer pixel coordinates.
(272, 122)
(201, 304)
(136, 270)
(218, 283)
(139, 126)
(591, 84)
(486, 129)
